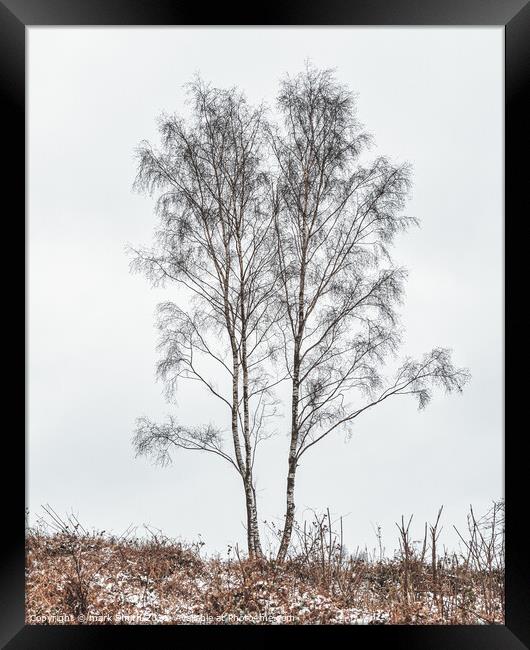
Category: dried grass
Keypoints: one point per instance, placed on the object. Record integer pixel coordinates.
(74, 576)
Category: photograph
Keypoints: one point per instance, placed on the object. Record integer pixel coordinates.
(265, 325)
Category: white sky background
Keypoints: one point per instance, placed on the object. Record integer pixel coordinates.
(433, 97)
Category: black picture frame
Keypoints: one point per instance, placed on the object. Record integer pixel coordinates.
(15, 16)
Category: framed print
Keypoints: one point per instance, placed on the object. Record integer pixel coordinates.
(269, 309)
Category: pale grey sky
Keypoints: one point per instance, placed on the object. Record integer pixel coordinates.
(431, 96)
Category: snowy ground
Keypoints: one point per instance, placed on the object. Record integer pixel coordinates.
(74, 579)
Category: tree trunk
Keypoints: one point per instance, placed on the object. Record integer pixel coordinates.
(244, 469)
(289, 514)
(253, 538)
(292, 463)
(245, 464)
(254, 545)
(293, 449)
(250, 535)
(255, 527)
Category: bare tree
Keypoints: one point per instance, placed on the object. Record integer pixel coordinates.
(294, 261)
(215, 241)
(335, 220)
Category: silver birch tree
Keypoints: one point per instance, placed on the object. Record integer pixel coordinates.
(215, 242)
(335, 221)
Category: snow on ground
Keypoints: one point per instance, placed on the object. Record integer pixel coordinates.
(100, 581)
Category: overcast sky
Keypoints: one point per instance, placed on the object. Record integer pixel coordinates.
(433, 97)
